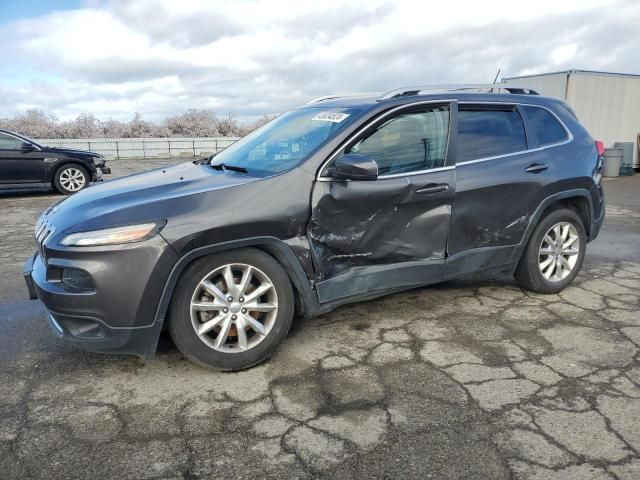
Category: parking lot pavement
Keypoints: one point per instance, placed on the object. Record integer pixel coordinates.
(473, 379)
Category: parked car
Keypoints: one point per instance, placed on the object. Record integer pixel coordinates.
(344, 199)
(24, 164)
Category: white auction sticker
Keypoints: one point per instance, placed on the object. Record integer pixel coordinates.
(335, 117)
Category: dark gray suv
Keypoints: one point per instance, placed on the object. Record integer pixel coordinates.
(344, 199)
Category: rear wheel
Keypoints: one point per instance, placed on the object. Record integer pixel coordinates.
(554, 254)
(231, 310)
(71, 179)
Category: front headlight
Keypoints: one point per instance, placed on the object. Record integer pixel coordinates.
(113, 236)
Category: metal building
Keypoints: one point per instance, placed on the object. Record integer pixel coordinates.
(607, 104)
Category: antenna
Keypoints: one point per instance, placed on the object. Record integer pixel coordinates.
(497, 75)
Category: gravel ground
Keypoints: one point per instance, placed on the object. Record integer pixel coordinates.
(470, 379)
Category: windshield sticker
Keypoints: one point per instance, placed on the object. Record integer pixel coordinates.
(334, 117)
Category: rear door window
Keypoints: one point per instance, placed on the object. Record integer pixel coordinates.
(544, 125)
(488, 132)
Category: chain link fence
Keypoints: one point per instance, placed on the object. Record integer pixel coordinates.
(121, 148)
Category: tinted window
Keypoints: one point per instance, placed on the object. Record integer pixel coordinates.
(486, 133)
(408, 142)
(9, 143)
(544, 126)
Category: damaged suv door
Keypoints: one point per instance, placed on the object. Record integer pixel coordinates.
(373, 231)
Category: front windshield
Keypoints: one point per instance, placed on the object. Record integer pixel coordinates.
(286, 141)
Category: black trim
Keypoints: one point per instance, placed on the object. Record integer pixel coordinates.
(535, 218)
(478, 260)
(139, 341)
(274, 245)
(367, 280)
(24, 186)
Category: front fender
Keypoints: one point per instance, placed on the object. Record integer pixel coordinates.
(272, 245)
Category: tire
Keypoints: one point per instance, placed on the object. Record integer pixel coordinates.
(541, 256)
(70, 179)
(207, 308)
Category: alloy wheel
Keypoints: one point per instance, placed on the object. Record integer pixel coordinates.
(72, 179)
(234, 308)
(558, 253)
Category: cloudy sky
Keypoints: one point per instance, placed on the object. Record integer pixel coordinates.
(249, 57)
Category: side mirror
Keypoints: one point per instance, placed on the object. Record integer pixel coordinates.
(27, 147)
(354, 166)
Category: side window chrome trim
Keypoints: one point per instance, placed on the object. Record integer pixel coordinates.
(397, 175)
(361, 130)
(520, 152)
(417, 172)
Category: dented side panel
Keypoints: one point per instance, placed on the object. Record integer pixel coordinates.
(372, 223)
(494, 202)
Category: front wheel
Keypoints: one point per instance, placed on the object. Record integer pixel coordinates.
(554, 254)
(71, 179)
(231, 310)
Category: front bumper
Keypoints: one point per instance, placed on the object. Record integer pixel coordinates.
(118, 315)
(99, 171)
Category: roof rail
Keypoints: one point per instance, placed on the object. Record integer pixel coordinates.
(324, 98)
(488, 87)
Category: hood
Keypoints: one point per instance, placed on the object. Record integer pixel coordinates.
(71, 151)
(141, 197)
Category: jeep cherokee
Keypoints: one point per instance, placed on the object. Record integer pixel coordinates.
(344, 199)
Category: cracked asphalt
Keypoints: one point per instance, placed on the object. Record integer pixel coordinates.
(474, 379)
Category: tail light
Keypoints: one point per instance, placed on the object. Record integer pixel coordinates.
(597, 174)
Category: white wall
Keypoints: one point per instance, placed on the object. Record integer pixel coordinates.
(145, 147)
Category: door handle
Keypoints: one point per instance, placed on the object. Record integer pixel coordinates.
(432, 188)
(536, 168)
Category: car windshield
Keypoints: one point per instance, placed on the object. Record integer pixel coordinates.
(284, 142)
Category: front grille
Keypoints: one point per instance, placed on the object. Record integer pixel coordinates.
(44, 231)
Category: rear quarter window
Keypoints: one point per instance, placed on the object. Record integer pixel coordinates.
(544, 126)
(489, 132)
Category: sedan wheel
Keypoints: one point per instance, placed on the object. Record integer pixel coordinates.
(71, 179)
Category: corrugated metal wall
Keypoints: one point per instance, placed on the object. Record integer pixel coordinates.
(608, 105)
(145, 147)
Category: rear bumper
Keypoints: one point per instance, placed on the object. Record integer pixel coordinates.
(596, 225)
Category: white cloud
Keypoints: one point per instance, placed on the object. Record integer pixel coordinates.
(251, 57)
(564, 53)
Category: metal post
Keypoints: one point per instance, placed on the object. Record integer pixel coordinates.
(193, 144)
(89, 145)
(169, 142)
(117, 151)
(144, 153)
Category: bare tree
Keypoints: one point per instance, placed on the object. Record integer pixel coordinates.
(192, 123)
